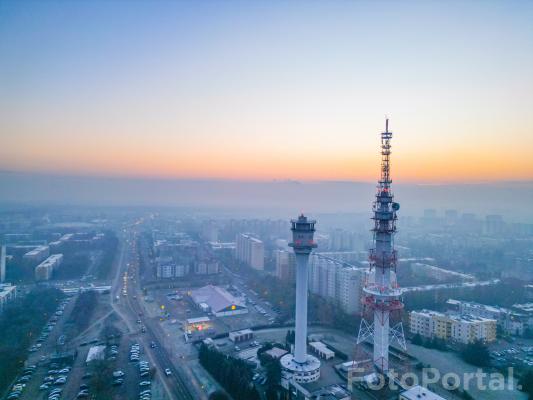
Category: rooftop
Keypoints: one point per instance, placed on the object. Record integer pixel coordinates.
(216, 297)
(418, 392)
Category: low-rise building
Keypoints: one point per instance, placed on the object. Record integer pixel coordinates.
(210, 267)
(219, 301)
(419, 392)
(276, 353)
(8, 293)
(322, 350)
(510, 321)
(171, 270)
(241, 336)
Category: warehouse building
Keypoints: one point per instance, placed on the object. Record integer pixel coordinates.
(218, 301)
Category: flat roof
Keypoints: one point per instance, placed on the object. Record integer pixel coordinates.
(215, 297)
(246, 331)
(418, 392)
(197, 320)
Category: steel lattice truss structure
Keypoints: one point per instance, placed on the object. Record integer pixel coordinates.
(381, 294)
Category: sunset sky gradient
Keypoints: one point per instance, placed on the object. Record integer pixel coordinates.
(267, 90)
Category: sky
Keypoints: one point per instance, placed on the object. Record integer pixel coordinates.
(267, 90)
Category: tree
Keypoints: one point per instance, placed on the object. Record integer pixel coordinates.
(218, 395)
(526, 381)
(100, 384)
(417, 339)
(233, 374)
(271, 394)
(273, 369)
(20, 323)
(476, 353)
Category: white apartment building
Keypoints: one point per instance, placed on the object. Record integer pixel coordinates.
(171, 270)
(250, 251)
(285, 265)
(37, 255)
(336, 281)
(462, 328)
(44, 270)
(511, 322)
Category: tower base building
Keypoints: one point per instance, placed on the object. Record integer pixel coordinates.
(308, 371)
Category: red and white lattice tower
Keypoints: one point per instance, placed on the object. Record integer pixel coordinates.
(381, 294)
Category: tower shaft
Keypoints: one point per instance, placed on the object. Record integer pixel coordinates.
(300, 341)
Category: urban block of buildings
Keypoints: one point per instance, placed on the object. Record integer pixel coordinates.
(511, 322)
(461, 328)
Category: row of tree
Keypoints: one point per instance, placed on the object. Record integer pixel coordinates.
(234, 375)
(84, 309)
(20, 324)
(109, 248)
(430, 343)
(274, 391)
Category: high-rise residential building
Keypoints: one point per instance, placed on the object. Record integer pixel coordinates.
(337, 281)
(462, 328)
(250, 251)
(210, 231)
(451, 217)
(494, 224)
(44, 270)
(285, 265)
(37, 255)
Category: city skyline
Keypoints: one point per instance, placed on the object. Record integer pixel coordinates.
(257, 91)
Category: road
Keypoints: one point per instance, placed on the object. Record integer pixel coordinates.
(130, 310)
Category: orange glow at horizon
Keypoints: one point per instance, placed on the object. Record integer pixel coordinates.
(437, 167)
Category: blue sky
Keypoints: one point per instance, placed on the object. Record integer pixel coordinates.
(261, 90)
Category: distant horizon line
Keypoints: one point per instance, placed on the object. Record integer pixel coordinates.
(127, 177)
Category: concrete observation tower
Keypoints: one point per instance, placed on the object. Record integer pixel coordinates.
(381, 295)
(303, 367)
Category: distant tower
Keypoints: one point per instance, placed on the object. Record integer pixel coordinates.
(302, 366)
(381, 294)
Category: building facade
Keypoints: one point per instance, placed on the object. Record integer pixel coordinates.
(336, 280)
(285, 265)
(250, 251)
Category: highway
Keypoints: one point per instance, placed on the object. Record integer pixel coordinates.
(130, 310)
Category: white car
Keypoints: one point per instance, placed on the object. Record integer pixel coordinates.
(168, 372)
